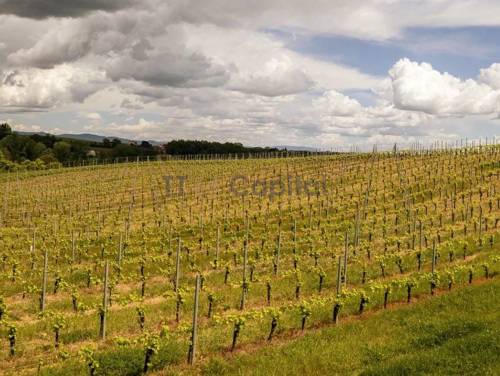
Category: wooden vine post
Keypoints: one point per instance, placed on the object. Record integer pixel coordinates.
(217, 249)
(294, 236)
(120, 250)
(244, 277)
(177, 266)
(104, 309)
(278, 253)
(480, 223)
(44, 281)
(73, 246)
(339, 272)
(346, 249)
(433, 256)
(194, 332)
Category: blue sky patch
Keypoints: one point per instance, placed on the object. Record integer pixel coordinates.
(459, 51)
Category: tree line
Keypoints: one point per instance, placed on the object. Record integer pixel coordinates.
(184, 147)
(41, 150)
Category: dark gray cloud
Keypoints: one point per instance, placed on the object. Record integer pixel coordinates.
(169, 69)
(40, 9)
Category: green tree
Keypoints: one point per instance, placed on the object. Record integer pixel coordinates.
(124, 150)
(62, 151)
(14, 147)
(48, 157)
(5, 130)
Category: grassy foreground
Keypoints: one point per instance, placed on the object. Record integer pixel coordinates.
(457, 333)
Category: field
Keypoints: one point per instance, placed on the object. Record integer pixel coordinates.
(372, 263)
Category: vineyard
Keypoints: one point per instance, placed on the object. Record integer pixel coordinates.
(160, 266)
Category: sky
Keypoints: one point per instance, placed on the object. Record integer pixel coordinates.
(321, 73)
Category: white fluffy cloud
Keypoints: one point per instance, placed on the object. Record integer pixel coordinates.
(333, 103)
(38, 89)
(418, 87)
(277, 77)
(413, 96)
(491, 76)
(345, 116)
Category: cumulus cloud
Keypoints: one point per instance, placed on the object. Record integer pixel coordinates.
(491, 76)
(130, 46)
(412, 96)
(333, 103)
(419, 87)
(342, 115)
(73, 39)
(56, 8)
(38, 89)
(169, 69)
(277, 77)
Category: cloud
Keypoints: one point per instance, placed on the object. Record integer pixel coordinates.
(24, 128)
(418, 87)
(182, 70)
(93, 117)
(56, 8)
(35, 89)
(366, 19)
(491, 76)
(130, 46)
(74, 39)
(140, 127)
(330, 117)
(333, 103)
(342, 115)
(156, 69)
(277, 77)
(130, 104)
(65, 44)
(259, 61)
(412, 97)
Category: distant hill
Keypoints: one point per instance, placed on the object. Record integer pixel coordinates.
(24, 133)
(88, 137)
(91, 137)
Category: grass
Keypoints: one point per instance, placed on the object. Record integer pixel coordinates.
(125, 361)
(453, 334)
